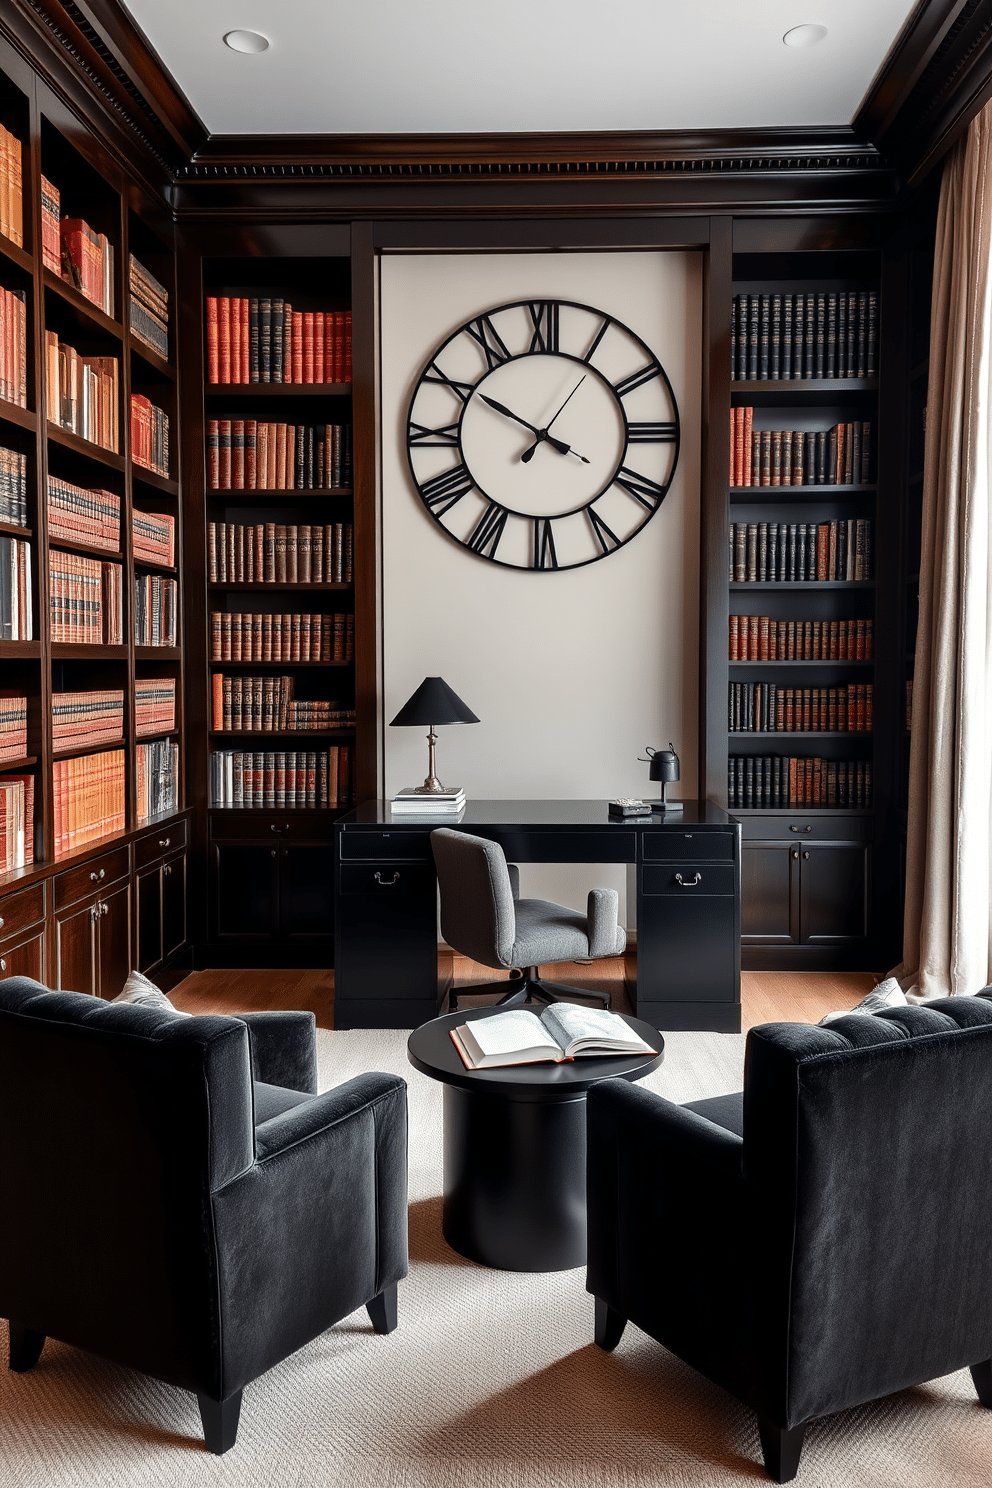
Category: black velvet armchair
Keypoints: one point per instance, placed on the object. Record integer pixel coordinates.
(823, 1239)
(178, 1199)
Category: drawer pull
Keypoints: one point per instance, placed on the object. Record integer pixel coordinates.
(688, 883)
(98, 877)
(164, 841)
(166, 871)
(1, 922)
(387, 883)
(807, 828)
(795, 852)
(3, 964)
(805, 854)
(274, 828)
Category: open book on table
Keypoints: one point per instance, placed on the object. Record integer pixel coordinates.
(562, 1031)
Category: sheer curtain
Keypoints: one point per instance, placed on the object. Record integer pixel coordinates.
(947, 940)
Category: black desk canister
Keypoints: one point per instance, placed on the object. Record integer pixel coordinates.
(664, 765)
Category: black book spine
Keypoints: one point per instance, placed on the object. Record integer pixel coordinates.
(830, 358)
(772, 552)
(862, 334)
(264, 340)
(799, 336)
(749, 782)
(742, 336)
(841, 571)
(731, 796)
(753, 336)
(800, 569)
(253, 362)
(870, 356)
(787, 333)
(831, 471)
(791, 568)
(842, 336)
(821, 335)
(733, 337)
(809, 360)
(301, 435)
(765, 336)
(852, 334)
(783, 550)
(811, 536)
(775, 344)
(276, 338)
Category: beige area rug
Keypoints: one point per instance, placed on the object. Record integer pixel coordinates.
(491, 1380)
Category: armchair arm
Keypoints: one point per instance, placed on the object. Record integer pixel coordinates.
(283, 1049)
(602, 927)
(316, 1227)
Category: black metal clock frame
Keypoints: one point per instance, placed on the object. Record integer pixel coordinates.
(443, 491)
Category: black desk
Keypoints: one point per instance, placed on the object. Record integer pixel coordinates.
(688, 875)
(515, 1147)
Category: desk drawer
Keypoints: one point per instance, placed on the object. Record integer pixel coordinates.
(361, 846)
(809, 826)
(389, 880)
(18, 911)
(524, 845)
(263, 826)
(696, 881)
(156, 844)
(688, 847)
(93, 877)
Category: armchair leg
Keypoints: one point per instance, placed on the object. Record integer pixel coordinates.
(982, 1376)
(609, 1325)
(781, 1449)
(25, 1347)
(382, 1310)
(220, 1422)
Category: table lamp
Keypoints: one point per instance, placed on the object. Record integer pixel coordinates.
(664, 767)
(433, 702)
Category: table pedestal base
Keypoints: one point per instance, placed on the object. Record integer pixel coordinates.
(515, 1180)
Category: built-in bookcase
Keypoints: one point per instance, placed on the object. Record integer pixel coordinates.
(71, 914)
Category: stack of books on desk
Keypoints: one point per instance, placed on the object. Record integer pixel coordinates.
(412, 802)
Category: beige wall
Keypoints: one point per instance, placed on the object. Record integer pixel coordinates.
(571, 673)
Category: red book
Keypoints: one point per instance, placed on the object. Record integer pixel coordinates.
(238, 454)
(297, 346)
(218, 700)
(318, 348)
(224, 454)
(746, 479)
(245, 342)
(347, 347)
(733, 446)
(224, 339)
(235, 321)
(332, 327)
(308, 340)
(212, 352)
(734, 635)
(213, 454)
(251, 438)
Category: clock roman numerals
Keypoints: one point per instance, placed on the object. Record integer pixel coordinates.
(648, 492)
(461, 390)
(485, 536)
(490, 340)
(648, 433)
(443, 491)
(545, 317)
(544, 544)
(425, 438)
(596, 339)
(637, 379)
(605, 536)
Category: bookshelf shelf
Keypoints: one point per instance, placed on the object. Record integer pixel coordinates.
(153, 362)
(24, 418)
(87, 316)
(795, 737)
(282, 665)
(76, 751)
(17, 650)
(10, 529)
(814, 585)
(277, 390)
(854, 812)
(165, 568)
(18, 764)
(73, 651)
(15, 255)
(799, 493)
(147, 477)
(800, 393)
(86, 447)
(831, 665)
(347, 731)
(144, 736)
(158, 653)
(287, 496)
(269, 587)
(109, 555)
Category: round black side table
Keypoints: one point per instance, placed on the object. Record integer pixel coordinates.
(515, 1147)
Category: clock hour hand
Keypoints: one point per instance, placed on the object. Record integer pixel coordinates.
(563, 449)
(507, 412)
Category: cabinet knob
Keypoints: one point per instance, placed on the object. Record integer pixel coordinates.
(688, 883)
(807, 828)
(1, 922)
(387, 883)
(98, 877)
(805, 854)
(167, 870)
(274, 828)
(164, 841)
(795, 852)
(3, 964)
(272, 853)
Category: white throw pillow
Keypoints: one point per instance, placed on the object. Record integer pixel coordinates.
(143, 993)
(887, 994)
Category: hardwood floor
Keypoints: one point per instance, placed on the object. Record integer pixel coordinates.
(766, 996)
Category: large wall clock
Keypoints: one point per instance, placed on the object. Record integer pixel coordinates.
(543, 434)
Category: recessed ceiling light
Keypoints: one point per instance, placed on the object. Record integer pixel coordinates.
(247, 41)
(804, 36)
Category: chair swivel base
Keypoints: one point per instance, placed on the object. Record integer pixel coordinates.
(528, 986)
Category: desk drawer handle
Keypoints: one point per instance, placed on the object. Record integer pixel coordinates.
(98, 877)
(387, 883)
(274, 828)
(164, 841)
(688, 883)
(800, 829)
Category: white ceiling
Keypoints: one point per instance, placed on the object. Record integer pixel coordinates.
(428, 66)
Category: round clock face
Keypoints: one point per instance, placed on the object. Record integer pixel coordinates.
(543, 434)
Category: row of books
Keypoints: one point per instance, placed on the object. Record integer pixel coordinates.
(149, 307)
(156, 778)
(16, 606)
(772, 782)
(274, 779)
(77, 514)
(81, 392)
(246, 455)
(839, 456)
(149, 435)
(760, 638)
(88, 262)
(268, 705)
(80, 719)
(801, 552)
(789, 336)
(87, 799)
(16, 821)
(13, 347)
(762, 708)
(13, 488)
(13, 727)
(11, 188)
(156, 604)
(261, 338)
(154, 705)
(85, 600)
(297, 637)
(153, 536)
(280, 553)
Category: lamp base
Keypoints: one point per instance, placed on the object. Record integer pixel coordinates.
(433, 787)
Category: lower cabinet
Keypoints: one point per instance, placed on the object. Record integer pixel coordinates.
(24, 958)
(160, 892)
(22, 933)
(272, 892)
(805, 899)
(93, 944)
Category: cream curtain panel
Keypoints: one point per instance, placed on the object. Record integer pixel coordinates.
(947, 940)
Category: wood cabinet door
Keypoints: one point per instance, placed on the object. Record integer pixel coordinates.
(836, 883)
(148, 893)
(245, 889)
(173, 906)
(770, 893)
(113, 929)
(26, 959)
(76, 950)
(306, 891)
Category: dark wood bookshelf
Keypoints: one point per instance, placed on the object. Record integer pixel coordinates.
(287, 496)
(77, 751)
(81, 651)
(15, 255)
(800, 493)
(343, 730)
(86, 447)
(158, 653)
(795, 662)
(795, 736)
(281, 665)
(12, 650)
(90, 550)
(9, 766)
(277, 390)
(24, 418)
(84, 310)
(150, 356)
(11, 529)
(799, 585)
(267, 585)
(144, 477)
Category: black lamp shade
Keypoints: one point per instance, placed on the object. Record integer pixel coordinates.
(664, 765)
(434, 702)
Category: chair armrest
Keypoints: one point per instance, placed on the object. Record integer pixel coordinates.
(602, 909)
(316, 1227)
(283, 1049)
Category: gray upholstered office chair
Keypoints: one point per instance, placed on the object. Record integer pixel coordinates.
(483, 916)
